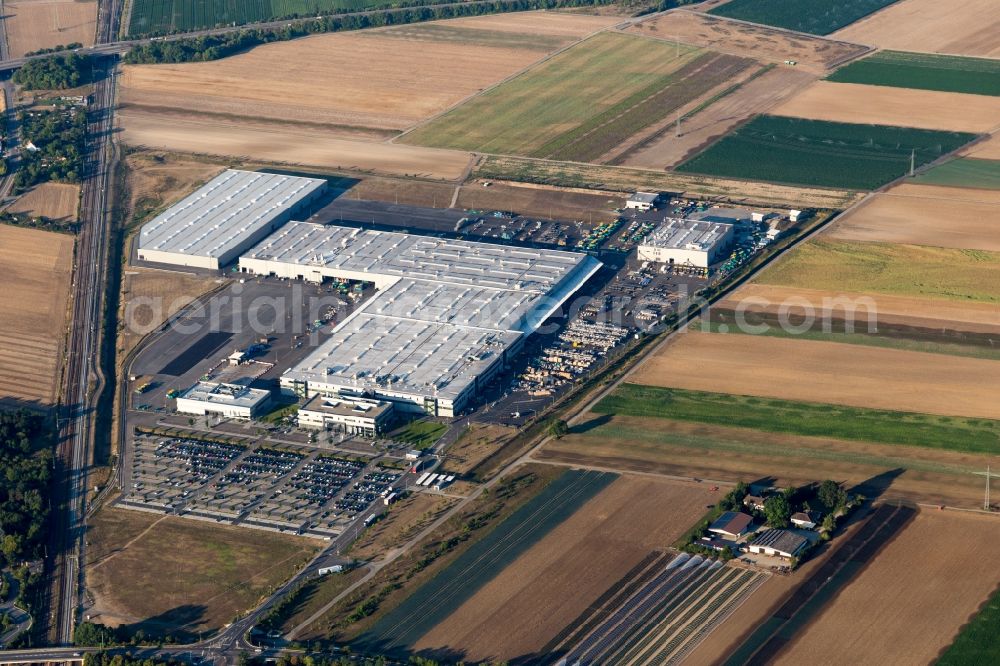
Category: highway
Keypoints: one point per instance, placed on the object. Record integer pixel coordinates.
(83, 378)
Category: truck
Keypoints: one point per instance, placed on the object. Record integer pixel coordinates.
(142, 388)
(335, 568)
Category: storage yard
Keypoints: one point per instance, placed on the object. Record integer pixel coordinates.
(38, 268)
(32, 25)
(826, 372)
(909, 602)
(544, 595)
(929, 26)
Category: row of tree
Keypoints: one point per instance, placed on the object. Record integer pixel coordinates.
(58, 72)
(214, 47)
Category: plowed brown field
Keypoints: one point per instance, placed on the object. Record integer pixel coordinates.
(926, 215)
(56, 201)
(911, 601)
(827, 372)
(547, 587)
(40, 24)
(37, 266)
(882, 105)
(754, 41)
(973, 28)
(285, 144)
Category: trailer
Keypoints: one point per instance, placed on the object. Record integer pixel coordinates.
(430, 480)
(390, 498)
(423, 477)
(443, 481)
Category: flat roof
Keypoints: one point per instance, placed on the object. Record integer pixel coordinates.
(781, 541)
(447, 311)
(223, 213)
(645, 197)
(372, 409)
(686, 234)
(723, 215)
(218, 393)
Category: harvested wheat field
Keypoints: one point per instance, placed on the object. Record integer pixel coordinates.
(931, 26)
(909, 603)
(546, 588)
(827, 372)
(926, 215)
(565, 25)
(363, 79)
(887, 308)
(38, 266)
(55, 201)
(751, 98)
(904, 107)
(755, 41)
(41, 24)
(285, 144)
(987, 149)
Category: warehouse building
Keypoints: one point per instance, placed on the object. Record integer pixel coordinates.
(229, 400)
(642, 201)
(354, 416)
(447, 317)
(231, 213)
(699, 243)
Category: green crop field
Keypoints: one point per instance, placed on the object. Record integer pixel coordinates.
(964, 172)
(979, 640)
(165, 16)
(821, 153)
(819, 17)
(905, 270)
(805, 418)
(437, 598)
(898, 69)
(584, 101)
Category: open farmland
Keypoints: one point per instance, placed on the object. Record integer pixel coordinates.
(359, 79)
(926, 215)
(976, 76)
(818, 17)
(978, 642)
(401, 627)
(165, 16)
(704, 125)
(931, 26)
(965, 276)
(986, 149)
(964, 172)
(621, 179)
(821, 153)
(168, 576)
(712, 451)
(583, 102)
(55, 201)
(827, 372)
(883, 105)
(32, 25)
(285, 144)
(37, 266)
(814, 54)
(537, 597)
(909, 601)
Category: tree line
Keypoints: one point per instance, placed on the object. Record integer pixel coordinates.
(58, 72)
(213, 47)
(26, 464)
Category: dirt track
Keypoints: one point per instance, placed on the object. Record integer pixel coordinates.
(286, 144)
(520, 610)
(910, 602)
(926, 215)
(882, 105)
(827, 372)
(931, 26)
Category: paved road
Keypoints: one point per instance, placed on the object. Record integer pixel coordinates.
(83, 373)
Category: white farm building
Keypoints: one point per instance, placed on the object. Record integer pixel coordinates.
(699, 243)
(224, 218)
(448, 313)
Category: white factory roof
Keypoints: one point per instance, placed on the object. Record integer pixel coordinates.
(723, 215)
(225, 394)
(372, 409)
(447, 312)
(681, 234)
(224, 212)
(645, 197)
